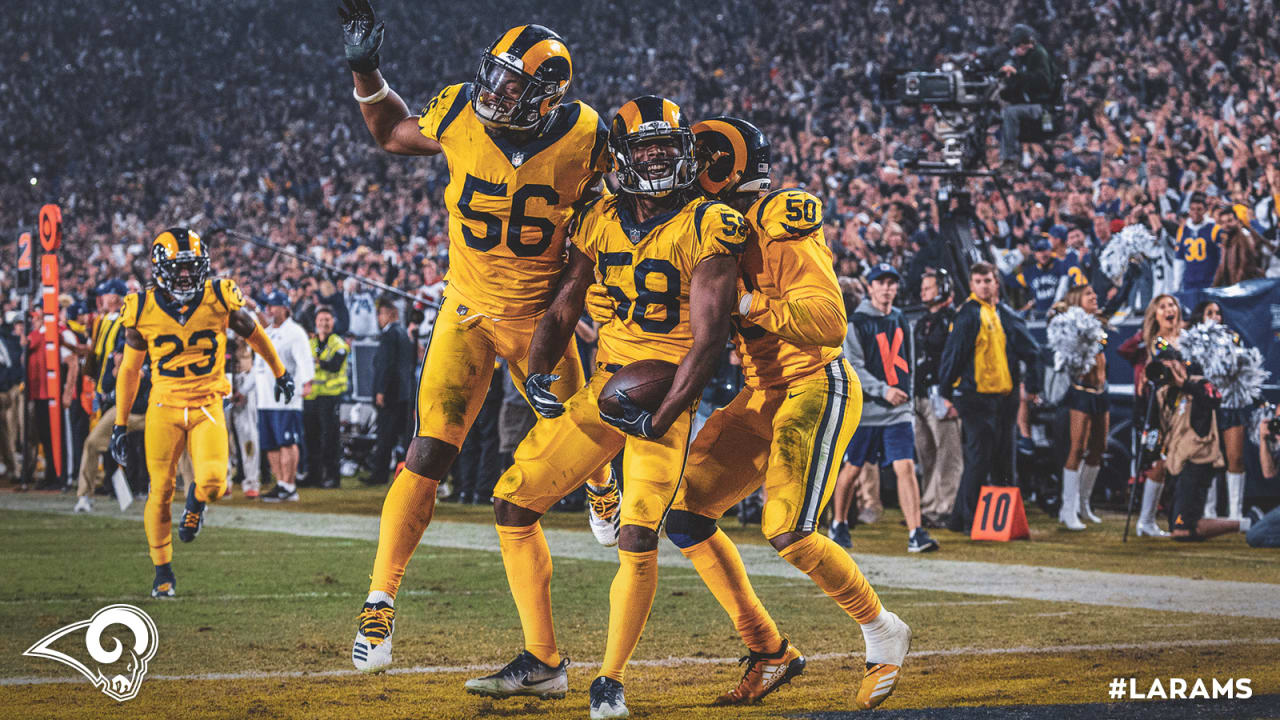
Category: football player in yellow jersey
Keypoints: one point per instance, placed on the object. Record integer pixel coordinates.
(787, 428)
(520, 163)
(669, 258)
(181, 324)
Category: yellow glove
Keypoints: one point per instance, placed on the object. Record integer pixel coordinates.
(600, 304)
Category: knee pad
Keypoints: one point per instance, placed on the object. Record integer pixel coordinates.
(686, 529)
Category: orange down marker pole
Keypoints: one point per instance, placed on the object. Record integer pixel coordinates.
(50, 241)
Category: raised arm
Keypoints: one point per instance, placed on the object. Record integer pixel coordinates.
(385, 113)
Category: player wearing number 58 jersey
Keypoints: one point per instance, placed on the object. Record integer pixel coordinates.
(669, 261)
(786, 430)
(181, 325)
(520, 162)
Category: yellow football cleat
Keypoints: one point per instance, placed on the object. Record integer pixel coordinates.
(883, 673)
(765, 673)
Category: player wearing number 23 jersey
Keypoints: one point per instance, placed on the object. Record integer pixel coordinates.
(668, 258)
(520, 163)
(181, 325)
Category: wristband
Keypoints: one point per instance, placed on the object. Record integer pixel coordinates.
(374, 98)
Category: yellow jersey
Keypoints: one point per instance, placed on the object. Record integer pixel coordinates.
(796, 323)
(186, 344)
(510, 205)
(648, 269)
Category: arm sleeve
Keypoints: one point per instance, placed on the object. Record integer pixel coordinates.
(127, 382)
(261, 344)
(872, 386)
(334, 363)
(811, 311)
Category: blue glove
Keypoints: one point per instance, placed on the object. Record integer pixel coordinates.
(538, 389)
(634, 421)
(118, 433)
(284, 386)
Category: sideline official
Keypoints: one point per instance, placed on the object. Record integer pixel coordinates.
(320, 407)
(980, 375)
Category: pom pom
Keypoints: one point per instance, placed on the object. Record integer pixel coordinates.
(1076, 338)
(1234, 369)
(1134, 241)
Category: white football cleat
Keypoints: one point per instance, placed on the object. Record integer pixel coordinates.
(1150, 529)
(603, 512)
(83, 504)
(526, 675)
(371, 652)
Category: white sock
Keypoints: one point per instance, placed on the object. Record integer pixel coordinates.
(1235, 495)
(1150, 496)
(288, 486)
(877, 634)
(597, 489)
(378, 596)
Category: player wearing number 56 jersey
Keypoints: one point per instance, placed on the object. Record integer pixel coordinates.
(520, 162)
(669, 260)
(181, 324)
(786, 430)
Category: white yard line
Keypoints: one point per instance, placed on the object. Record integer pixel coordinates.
(1025, 582)
(676, 661)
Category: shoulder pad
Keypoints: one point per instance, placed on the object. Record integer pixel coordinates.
(786, 214)
(721, 223)
(443, 109)
(131, 310)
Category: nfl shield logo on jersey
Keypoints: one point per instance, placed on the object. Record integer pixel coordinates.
(517, 160)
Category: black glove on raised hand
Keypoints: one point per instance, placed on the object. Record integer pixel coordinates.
(634, 420)
(284, 386)
(538, 388)
(362, 33)
(117, 446)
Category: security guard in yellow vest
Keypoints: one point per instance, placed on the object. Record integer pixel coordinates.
(320, 407)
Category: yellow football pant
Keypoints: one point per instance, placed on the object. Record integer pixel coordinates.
(170, 430)
(452, 384)
(792, 438)
(554, 459)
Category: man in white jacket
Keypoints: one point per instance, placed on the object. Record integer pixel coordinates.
(280, 423)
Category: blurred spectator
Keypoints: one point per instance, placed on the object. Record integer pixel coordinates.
(360, 302)
(1241, 250)
(1199, 248)
(394, 388)
(280, 422)
(937, 422)
(245, 455)
(11, 395)
(39, 397)
(320, 406)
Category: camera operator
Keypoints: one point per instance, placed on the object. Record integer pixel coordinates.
(1028, 88)
(1265, 532)
(1189, 431)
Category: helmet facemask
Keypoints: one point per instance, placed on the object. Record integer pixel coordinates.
(655, 160)
(183, 275)
(507, 97)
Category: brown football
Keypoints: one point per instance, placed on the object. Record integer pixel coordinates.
(646, 382)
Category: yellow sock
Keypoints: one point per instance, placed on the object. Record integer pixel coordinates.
(157, 522)
(406, 513)
(630, 600)
(717, 560)
(836, 573)
(528, 562)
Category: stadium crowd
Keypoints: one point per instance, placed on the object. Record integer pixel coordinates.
(1172, 114)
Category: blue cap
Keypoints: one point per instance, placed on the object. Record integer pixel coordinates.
(1058, 231)
(113, 286)
(277, 297)
(1042, 244)
(881, 270)
(78, 308)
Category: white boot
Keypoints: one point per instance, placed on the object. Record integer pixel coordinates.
(1211, 499)
(1088, 478)
(1068, 515)
(1235, 496)
(1147, 520)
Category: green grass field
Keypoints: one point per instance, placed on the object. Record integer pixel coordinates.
(264, 620)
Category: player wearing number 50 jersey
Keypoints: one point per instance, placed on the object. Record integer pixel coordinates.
(181, 324)
(669, 259)
(520, 162)
(786, 430)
